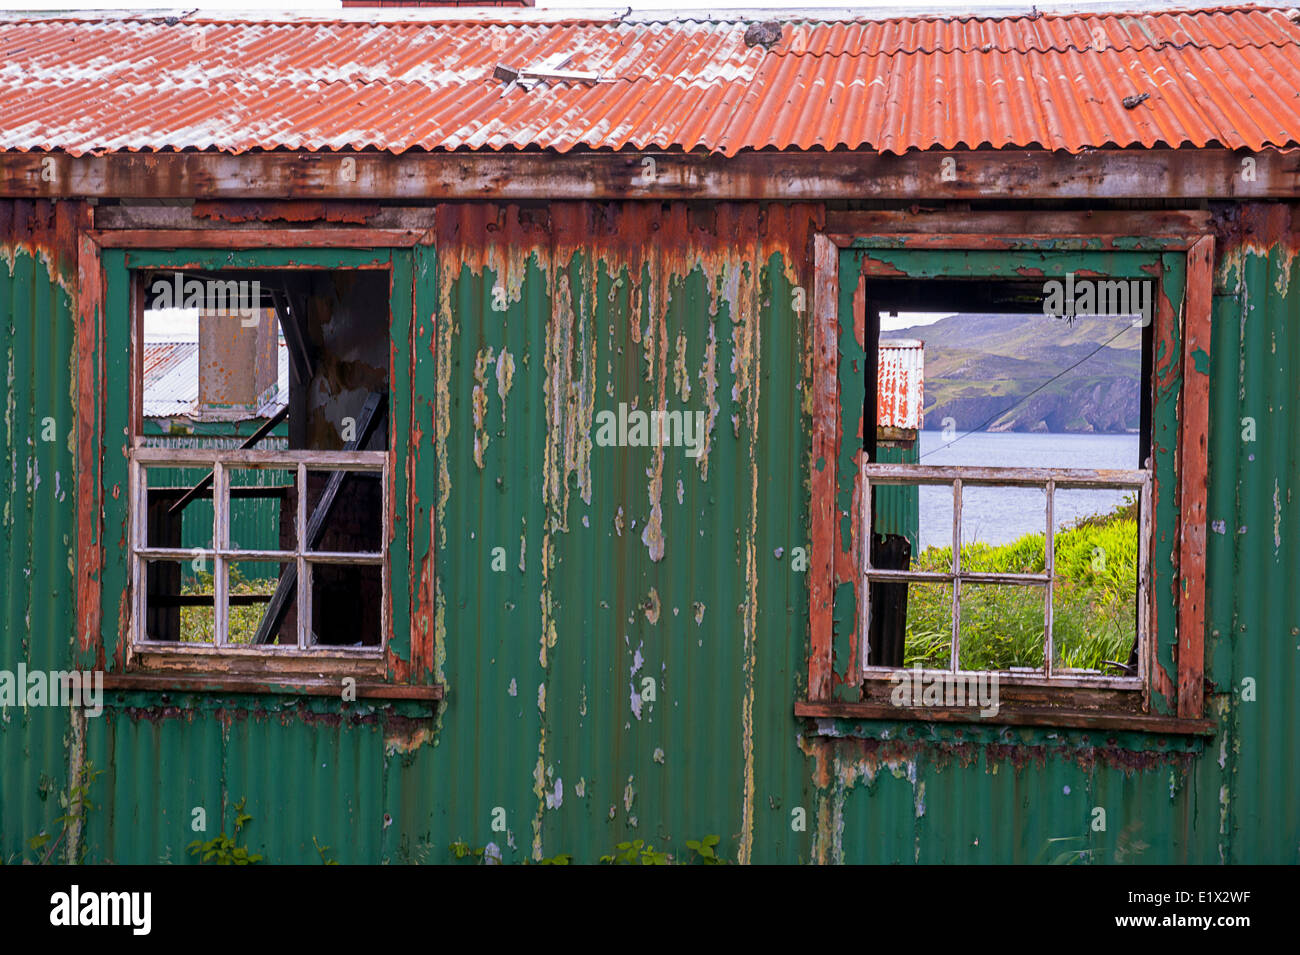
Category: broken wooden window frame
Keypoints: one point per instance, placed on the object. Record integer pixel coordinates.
(110, 317)
(1168, 696)
(294, 587)
(1051, 480)
(222, 553)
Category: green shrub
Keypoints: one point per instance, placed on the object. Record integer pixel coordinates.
(197, 622)
(1094, 600)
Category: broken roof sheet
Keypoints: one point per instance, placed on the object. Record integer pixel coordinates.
(85, 84)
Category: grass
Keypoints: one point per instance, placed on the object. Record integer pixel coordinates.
(198, 623)
(1094, 600)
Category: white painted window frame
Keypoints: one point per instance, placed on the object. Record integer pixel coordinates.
(222, 554)
(1051, 480)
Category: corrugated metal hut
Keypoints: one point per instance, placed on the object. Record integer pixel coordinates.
(900, 389)
(540, 616)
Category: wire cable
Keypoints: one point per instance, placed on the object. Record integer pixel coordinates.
(1023, 398)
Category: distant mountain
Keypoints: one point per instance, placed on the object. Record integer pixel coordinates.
(1013, 373)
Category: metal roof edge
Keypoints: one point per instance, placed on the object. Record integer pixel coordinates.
(1289, 148)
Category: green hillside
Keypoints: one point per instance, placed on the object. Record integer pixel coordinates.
(1030, 373)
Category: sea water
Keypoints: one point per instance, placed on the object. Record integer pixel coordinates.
(1000, 515)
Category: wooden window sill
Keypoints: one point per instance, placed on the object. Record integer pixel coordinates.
(1010, 715)
(278, 684)
(284, 663)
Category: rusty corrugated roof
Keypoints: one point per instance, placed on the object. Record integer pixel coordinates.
(900, 384)
(171, 381)
(1227, 76)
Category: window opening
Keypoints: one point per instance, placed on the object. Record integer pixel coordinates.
(260, 475)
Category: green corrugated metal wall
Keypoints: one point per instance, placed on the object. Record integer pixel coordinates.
(1252, 601)
(633, 303)
(898, 506)
(37, 504)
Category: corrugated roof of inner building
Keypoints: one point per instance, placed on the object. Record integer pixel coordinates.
(1227, 77)
(171, 381)
(900, 383)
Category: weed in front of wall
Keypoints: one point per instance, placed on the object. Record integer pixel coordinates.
(1070, 850)
(637, 852)
(1058, 851)
(705, 850)
(76, 808)
(226, 850)
(463, 851)
(321, 850)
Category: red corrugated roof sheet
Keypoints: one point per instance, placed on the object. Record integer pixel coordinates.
(900, 384)
(1228, 76)
(171, 380)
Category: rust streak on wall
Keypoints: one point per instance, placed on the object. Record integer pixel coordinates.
(1193, 473)
(90, 335)
(822, 465)
(286, 210)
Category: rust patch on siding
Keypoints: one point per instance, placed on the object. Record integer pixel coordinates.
(48, 231)
(879, 268)
(403, 734)
(273, 210)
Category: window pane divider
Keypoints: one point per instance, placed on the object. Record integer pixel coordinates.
(385, 529)
(1049, 564)
(864, 533)
(136, 520)
(220, 541)
(175, 553)
(342, 557)
(1145, 639)
(970, 576)
(954, 661)
(302, 612)
(205, 457)
(1064, 478)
